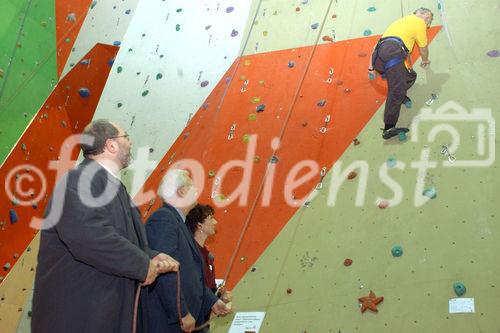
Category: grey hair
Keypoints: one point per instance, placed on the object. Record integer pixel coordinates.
(424, 11)
(172, 181)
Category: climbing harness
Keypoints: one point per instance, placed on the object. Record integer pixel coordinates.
(393, 61)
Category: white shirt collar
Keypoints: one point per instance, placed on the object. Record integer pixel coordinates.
(107, 169)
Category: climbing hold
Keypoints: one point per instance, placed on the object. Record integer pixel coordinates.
(128, 11)
(408, 103)
(159, 76)
(459, 288)
(370, 302)
(261, 108)
(322, 103)
(119, 69)
(304, 124)
(23, 147)
(177, 27)
(71, 17)
(383, 204)
(261, 82)
(247, 62)
(439, 5)
(243, 77)
(15, 256)
(289, 291)
(43, 23)
(145, 93)
(352, 175)
(367, 32)
(211, 173)
(119, 105)
(347, 90)
(93, 4)
(265, 33)
(314, 26)
(13, 216)
(242, 259)
(430, 192)
(362, 54)
(402, 136)
(208, 27)
(255, 100)
(256, 159)
(356, 142)
(84, 92)
(493, 54)
(229, 9)
(274, 159)
(371, 9)
(291, 64)
(85, 62)
(111, 62)
(327, 39)
(252, 117)
(1, 73)
(253, 269)
(397, 251)
(204, 84)
(347, 262)
(297, 9)
(179, 10)
(7, 266)
(339, 82)
(246, 138)
(234, 33)
(117, 43)
(391, 162)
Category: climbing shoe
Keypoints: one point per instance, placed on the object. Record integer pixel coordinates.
(394, 131)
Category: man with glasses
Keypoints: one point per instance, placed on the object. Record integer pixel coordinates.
(390, 58)
(93, 257)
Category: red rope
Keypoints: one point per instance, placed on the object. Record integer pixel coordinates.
(179, 312)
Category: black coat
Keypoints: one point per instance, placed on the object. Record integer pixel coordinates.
(168, 233)
(90, 263)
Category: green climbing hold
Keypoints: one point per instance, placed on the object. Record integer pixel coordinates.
(246, 138)
(367, 32)
(145, 93)
(119, 69)
(430, 192)
(397, 251)
(252, 117)
(179, 10)
(459, 288)
(439, 6)
(178, 27)
(402, 136)
(372, 9)
(255, 100)
(391, 162)
(119, 105)
(211, 173)
(159, 76)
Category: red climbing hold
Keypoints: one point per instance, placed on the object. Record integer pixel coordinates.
(347, 262)
(327, 39)
(383, 204)
(289, 291)
(352, 175)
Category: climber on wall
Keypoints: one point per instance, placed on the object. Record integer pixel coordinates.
(390, 58)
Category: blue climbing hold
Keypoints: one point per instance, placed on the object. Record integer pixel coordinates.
(314, 26)
(261, 108)
(371, 76)
(391, 162)
(372, 9)
(430, 192)
(459, 288)
(439, 6)
(85, 62)
(367, 32)
(127, 11)
(84, 92)
(397, 251)
(291, 64)
(111, 62)
(117, 43)
(322, 103)
(13, 216)
(408, 103)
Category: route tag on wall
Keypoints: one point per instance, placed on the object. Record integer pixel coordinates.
(247, 322)
(461, 305)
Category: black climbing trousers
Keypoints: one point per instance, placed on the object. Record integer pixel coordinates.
(399, 79)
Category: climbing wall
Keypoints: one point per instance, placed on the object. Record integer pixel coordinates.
(282, 86)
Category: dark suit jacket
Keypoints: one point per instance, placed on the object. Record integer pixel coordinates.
(168, 233)
(90, 263)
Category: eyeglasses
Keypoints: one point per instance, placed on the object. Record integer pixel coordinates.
(126, 135)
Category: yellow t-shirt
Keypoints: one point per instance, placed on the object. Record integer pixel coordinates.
(410, 29)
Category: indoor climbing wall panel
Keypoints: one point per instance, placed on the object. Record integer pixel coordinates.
(27, 65)
(106, 22)
(153, 91)
(70, 16)
(43, 154)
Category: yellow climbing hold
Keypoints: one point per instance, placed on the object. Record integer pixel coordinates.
(261, 82)
(243, 77)
(247, 62)
(255, 100)
(256, 159)
(246, 138)
(265, 33)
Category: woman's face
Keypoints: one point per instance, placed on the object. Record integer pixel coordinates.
(208, 225)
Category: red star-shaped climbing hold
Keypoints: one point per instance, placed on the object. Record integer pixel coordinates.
(370, 302)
